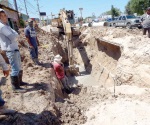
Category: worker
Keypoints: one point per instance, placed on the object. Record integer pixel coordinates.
(4, 66)
(146, 22)
(60, 73)
(9, 47)
(33, 42)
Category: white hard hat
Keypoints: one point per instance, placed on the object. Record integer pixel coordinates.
(58, 58)
(2, 10)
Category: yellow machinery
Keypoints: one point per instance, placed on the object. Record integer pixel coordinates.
(66, 26)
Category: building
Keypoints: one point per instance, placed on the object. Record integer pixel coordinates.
(4, 2)
(13, 17)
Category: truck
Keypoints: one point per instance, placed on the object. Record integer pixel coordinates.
(128, 21)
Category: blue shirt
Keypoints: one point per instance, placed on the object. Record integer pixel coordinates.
(31, 34)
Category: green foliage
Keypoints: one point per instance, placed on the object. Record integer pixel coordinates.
(22, 23)
(138, 6)
(115, 11)
(128, 9)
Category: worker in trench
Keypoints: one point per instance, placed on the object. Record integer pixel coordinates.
(33, 42)
(146, 22)
(9, 47)
(5, 68)
(58, 67)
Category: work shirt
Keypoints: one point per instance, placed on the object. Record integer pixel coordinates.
(59, 70)
(3, 63)
(8, 38)
(31, 34)
(146, 21)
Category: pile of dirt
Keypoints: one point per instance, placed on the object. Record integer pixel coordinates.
(109, 56)
(37, 105)
(120, 55)
(70, 113)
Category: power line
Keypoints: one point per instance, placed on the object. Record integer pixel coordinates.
(26, 8)
(33, 7)
(29, 8)
(39, 11)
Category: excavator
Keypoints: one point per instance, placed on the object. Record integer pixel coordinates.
(65, 24)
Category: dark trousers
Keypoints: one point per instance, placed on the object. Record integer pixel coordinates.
(2, 102)
(145, 30)
(34, 52)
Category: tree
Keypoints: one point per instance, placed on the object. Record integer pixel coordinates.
(107, 12)
(139, 6)
(128, 9)
(115, 11)
(22, 23)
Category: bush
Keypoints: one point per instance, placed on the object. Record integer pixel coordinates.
(22, 23)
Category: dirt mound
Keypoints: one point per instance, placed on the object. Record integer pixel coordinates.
(109, 56)
(116, 54)
(37, 106)
(70, 113)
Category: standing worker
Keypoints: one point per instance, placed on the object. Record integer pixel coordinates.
(10, 47)
(146, 22)
(4, 66)
(32, 41)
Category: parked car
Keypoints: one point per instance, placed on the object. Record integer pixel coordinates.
(111, 20)
(128, 21)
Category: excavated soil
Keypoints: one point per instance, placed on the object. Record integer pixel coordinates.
(37, 106)
(106, 57)
(115, 54)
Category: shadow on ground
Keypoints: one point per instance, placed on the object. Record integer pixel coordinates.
(44, 118)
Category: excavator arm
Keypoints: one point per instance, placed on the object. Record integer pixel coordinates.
(63, 23)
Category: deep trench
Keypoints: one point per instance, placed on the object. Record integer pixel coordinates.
(110, 51)
(68, 112)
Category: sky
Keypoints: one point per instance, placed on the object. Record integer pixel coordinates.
(90, 7)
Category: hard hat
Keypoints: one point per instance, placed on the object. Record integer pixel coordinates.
(2, 10)
(58, 58)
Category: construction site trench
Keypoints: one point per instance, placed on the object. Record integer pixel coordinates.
(112, 87)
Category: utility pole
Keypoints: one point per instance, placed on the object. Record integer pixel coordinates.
(81, 11)
(15, 2)
(52, 15)
(26, 7)
(81, 18)
(39, 11)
